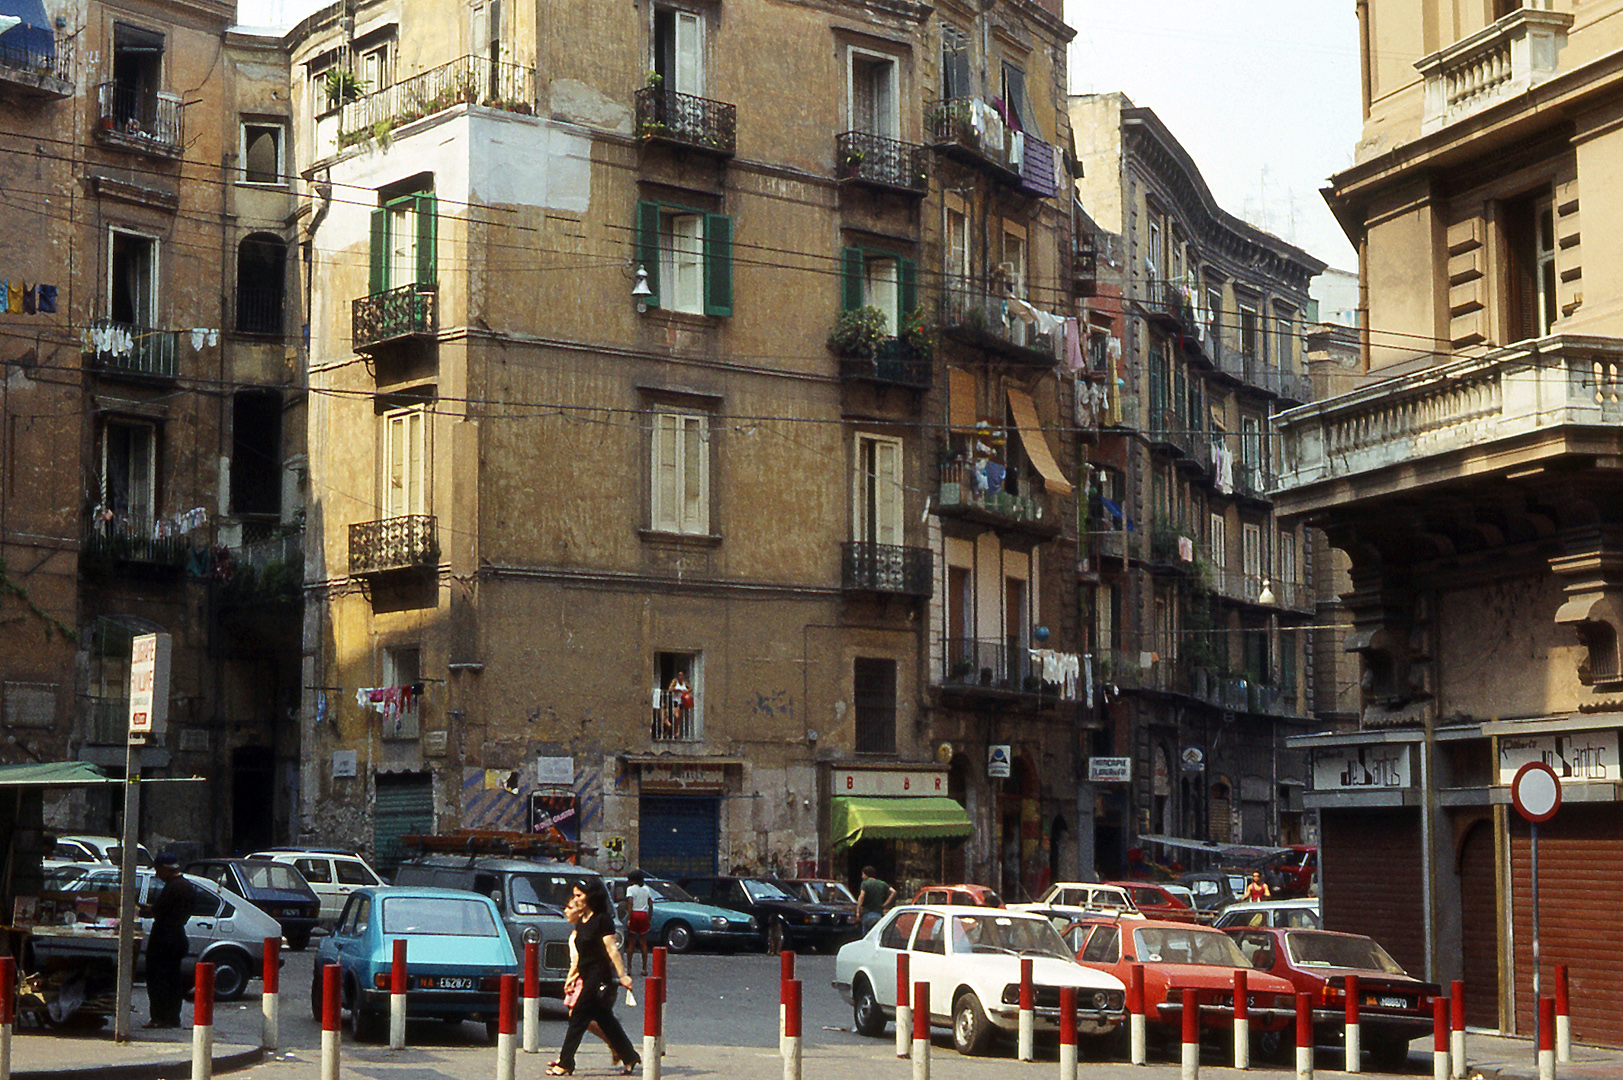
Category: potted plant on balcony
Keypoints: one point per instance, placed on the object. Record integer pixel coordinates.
(858, 333)
(919, 335)
(343, 85)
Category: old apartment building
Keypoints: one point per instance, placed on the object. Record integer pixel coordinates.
(1470, 480)
(1195, 590)
(150, 407)
(687, 454)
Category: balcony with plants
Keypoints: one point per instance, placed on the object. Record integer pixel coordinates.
(467, 80)
(397, 544)
(886, 569)
(983, 492)
(399, 314)
(875, 161)
(869, 353)
(36, 62)
(1005, 670)
(974, 132)
(683, 120)
(130, 544)
(985, 317)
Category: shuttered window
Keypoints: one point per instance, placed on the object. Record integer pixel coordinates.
(874, 700)
(403, 244)
(688, 255)
(878, 510)
(879, 279)
(680, 484)
(405, 450)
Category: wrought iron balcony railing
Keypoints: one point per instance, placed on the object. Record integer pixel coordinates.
(467, 80)
(40, 65)
(409, 311)
(874, 159)
(145, 120)
(397, 543)
(973, 131)
(131, 542)
(983, 317)
(886, 568)
(964, 492)
(894, 362)
(697, 122)
(127, 349)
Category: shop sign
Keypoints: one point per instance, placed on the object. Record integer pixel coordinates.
(683, 776)
(1110, 770)
(149, 686)
(889, 782)
(1575, 756)
(997, 760)
(555, 817)
(1194, 759)
(344, 763)
(1380, 766)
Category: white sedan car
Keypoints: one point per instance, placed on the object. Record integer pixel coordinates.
(971, 959)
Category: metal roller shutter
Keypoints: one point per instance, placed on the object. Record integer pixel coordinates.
(1580, 854)
(1369, 864)
(678, 835)
(1479, 930)
(405, 807)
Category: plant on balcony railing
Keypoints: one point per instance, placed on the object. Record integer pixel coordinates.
(397, 543)
(886, 568)
(467, 80)
(407, 311)
(682, 118)
(972, 124)
(867, 351)
(875, 159)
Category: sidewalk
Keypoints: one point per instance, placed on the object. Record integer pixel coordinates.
(66, 1054)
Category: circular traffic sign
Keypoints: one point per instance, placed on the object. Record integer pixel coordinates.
(1536, 791)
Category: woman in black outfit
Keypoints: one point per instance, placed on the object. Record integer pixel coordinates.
(601, 972)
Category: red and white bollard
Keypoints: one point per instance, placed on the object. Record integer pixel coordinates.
(8, 1012)
(904, 1008)
(664, 992)
(507, 1028)
(397, 996)
(203, 1022)
(1456, 1029)
(330, 1039)
(791, 1030)
(786, 975)
(1067, 1033)
(1028, 1017)
(653, 993)
(1304, 1037)
(921, 1031)
(1242, 1023)
(1563, 1017)
(1138, 1052)
(1546, 1039)
(1191, 1036)
(532, 997)
(1354, 1037)
(270, 1002)
(1439, 1039)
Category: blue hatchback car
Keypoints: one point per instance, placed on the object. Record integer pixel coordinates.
(456, 953)
(682, 924)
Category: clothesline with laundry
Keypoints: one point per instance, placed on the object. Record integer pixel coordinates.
(17, 297)
(390, 702)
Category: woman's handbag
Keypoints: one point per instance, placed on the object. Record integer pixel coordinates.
(572, 992)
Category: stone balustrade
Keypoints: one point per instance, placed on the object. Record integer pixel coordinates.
(1503, 59)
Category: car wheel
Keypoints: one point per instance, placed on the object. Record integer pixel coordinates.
(232, 971)
(866, 1015)
(1389, 1053)
(492, 1030)
(1271, 1045)
(298, 940)
(315, 995)
(971, 1031)
(363, 1026)
(774, 937)
(678, 938)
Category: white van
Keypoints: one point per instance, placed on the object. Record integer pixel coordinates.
(332, 873)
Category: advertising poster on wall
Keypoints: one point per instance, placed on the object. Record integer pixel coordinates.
(555, 816)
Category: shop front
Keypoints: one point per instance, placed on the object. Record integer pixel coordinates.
(901, 821)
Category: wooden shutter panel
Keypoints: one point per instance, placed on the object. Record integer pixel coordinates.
(718, 265)
(378, 274)
(888, 493)
(648, 247)
(427, 222)
(907, 286)
(851, 278)
(666, 437)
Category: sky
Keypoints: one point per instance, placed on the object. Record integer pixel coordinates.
(1262, 93)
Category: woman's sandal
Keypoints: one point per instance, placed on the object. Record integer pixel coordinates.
(631, 1069)
(555, 1068)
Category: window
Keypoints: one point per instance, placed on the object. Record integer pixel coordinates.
(877, 502)
(137, 76)
(873, 698)
(1014, 96)
(872, 94)
(128, 468)
(1251, 552)
(678, 47)
(1152, 254)
(1104, 611)
(403, 243)
(375, 70)
(317, 870)
(957, 252)
(1250, 441)
(930, 938)
(132, 278)
(1219, 541)
(261, 280)
(677, 676)
(1014, 263)
(1287, 561)
(1214, 312)
(955, 80)
(879, 279)
(402, 667)
(681, 473)
(262, 161)
(1284, 339)
(688, 255)
(405, 452)
(1530, 285)
(256, 453)
(1248, 330)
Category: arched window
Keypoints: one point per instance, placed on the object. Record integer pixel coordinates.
(261, 282)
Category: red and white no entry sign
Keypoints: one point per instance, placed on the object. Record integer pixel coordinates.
(1536, 791)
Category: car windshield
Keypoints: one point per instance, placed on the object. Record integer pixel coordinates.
(1193, 946)
(669, 890)
(760, 889)
(542, 893)
(272, 875)
(1339, 950)
(830, 892)
(437, 915)
(1005, 934)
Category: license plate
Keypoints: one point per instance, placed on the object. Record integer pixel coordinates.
(454, 982)
(1393, 1003)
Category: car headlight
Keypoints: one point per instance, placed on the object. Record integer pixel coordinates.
(753, 925)
(1101, 999)
(532, 935)
(718, 922)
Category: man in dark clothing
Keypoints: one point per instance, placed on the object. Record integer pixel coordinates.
(166, 941)
(874, 896)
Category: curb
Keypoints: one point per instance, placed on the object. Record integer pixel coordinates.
(144, 1070)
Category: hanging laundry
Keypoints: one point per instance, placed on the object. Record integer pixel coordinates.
(213, 338)
(47, 299)
(1073, 345)
(14, 297)
(199, 335)
(5, 293)
(28, 301)
(1186, 549)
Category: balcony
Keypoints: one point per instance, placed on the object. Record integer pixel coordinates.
(1169, 303)
(1254, 482)
(35, 63)
(1237, 585)
(894, 363)
(411, 311)
(129, 545)
(467, 80)
(998, 669)
(982, 318)
(1084, 266)
(393, 544)
(1172, 546)
(875, 161)
(964, 495)
(697, 123)
(1497, 63)
(887, 569)
(1277, 381)
(972, 131)
(117, 348)
(134, 119)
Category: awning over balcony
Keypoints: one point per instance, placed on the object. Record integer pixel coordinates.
(931, 817)
(1036, 443)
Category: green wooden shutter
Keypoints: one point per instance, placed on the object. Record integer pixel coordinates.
(907, 287)
(427, 227)
(851, 278)
(378, 274)
(718, 265)
(647, 243)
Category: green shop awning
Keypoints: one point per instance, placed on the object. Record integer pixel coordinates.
(928, 817)
(53, 774)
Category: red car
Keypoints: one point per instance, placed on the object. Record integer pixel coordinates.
(1290, 871)
(1394, 1008)
(1156, 902)
(1179, 956)
(958, 895)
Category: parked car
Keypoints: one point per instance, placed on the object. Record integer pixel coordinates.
(456, 954)
(1215, 889)
(970, 956)
(1083, 898)
(224, 928)
(1179, 956)
(1394, 1008)
(682, 924)
(332, 874)
(820, 891)
(275, 888)
(958, 895)
(1289, 871)
(1303, 913)
(1156, 900)
(785, 922)
(529, 895)
(93, 849)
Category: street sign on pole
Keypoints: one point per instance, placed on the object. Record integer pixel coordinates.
(1536, 794)
(149, 686)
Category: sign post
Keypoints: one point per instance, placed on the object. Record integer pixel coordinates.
(149, 715)
(1536, 794)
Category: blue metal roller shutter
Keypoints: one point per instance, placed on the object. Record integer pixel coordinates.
(679, 835)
